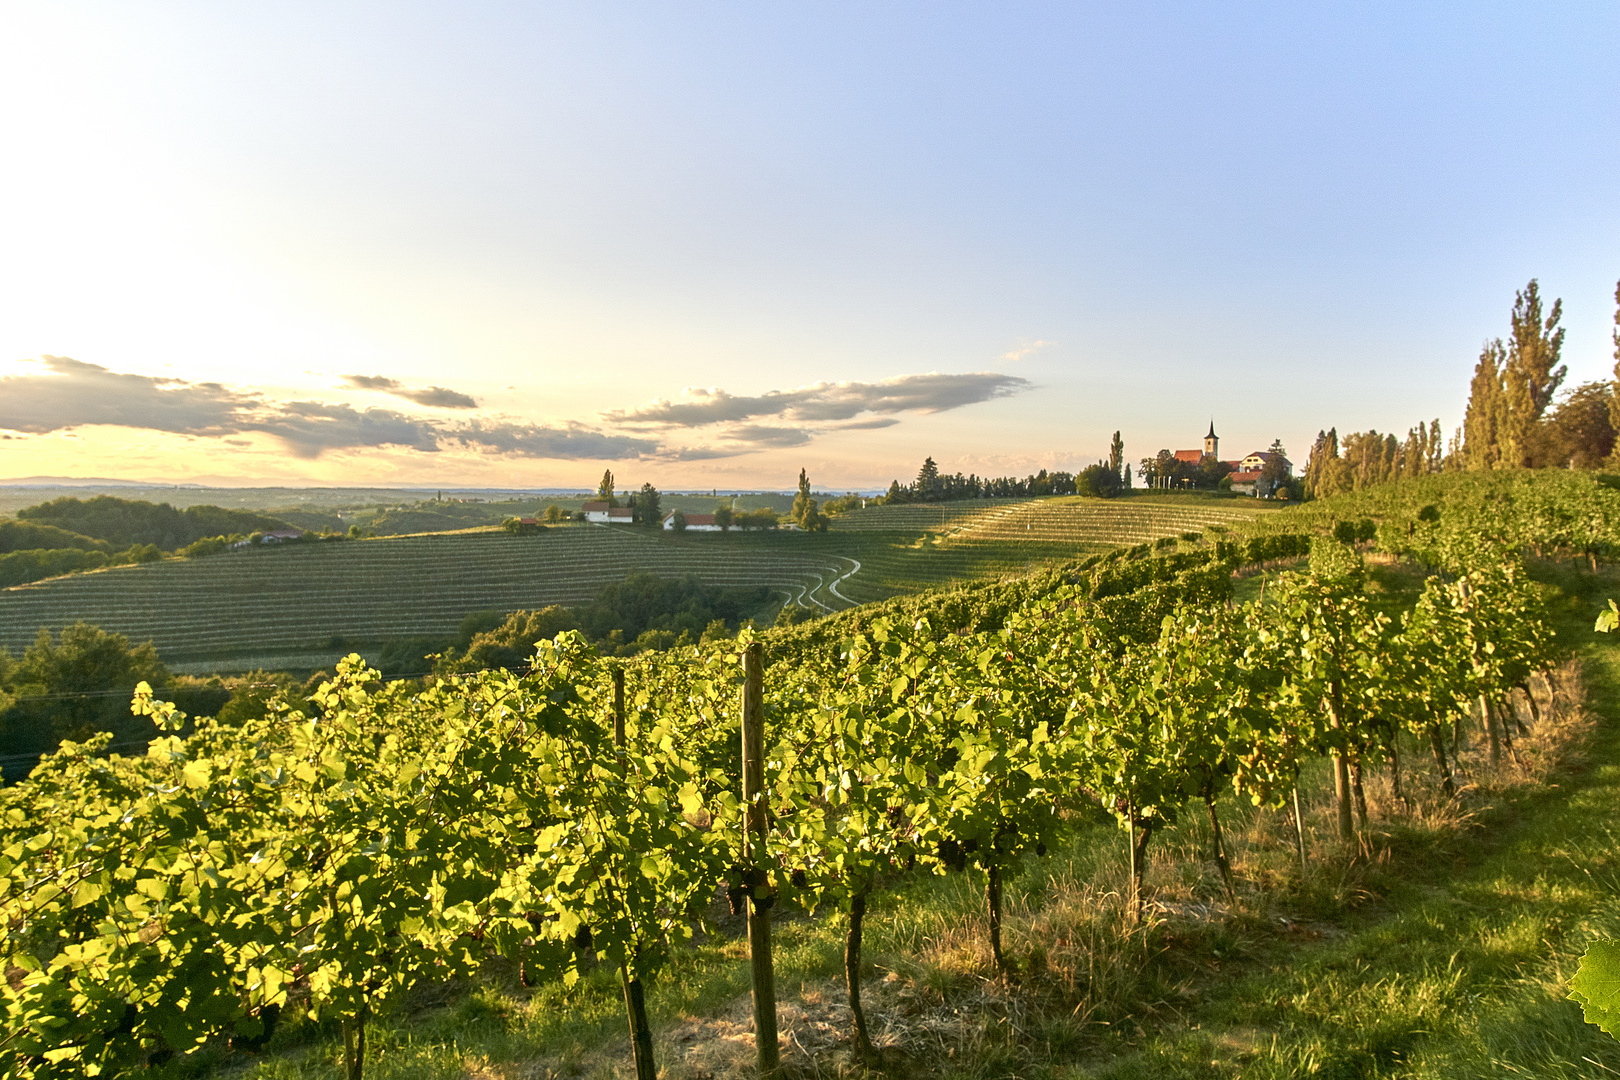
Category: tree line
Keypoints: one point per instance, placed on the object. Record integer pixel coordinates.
(1515, 418)
(1104, 479)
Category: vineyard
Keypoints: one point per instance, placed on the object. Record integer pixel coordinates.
(575, 823)
(283, 606)
(288, 599)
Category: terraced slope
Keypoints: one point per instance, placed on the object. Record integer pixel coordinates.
(293, 598)
(941, 543)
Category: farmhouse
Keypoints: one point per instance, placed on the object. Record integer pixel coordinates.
(694, 523)
(1260, 458)
(1245, 482)
(603, 514)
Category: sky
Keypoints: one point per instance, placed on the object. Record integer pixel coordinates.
(708, 244)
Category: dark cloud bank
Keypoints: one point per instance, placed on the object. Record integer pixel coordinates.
(71, 393)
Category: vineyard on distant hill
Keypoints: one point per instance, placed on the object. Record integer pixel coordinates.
(294, 603)
(294, 598)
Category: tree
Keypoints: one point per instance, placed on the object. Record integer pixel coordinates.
(678, 521)
(604, 490)
(722, 517)
(802, 501)
(1275, 472)
(1116, 455)
(76, 684)
(807, 511)
(1579, 433)
(928, 484)
(1098, 480)
(647, 510)
(1614, 390)
(1319, 469)
(1531, 374)
(554, 514)
(1484, 421)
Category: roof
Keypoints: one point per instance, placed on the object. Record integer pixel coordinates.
(1248, 477)
(528, 521)
(1194, 456)
(697, 519)
(1211, 434)
(594, 507)
(621, 513)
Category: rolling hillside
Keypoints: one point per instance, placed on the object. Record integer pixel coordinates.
(296, 598)
(303, 605)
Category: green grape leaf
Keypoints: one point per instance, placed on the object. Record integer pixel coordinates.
(1608, 621)
(1596, 986)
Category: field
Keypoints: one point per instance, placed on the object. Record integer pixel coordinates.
(303, 605)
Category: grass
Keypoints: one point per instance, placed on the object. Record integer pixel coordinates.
(1438, 945)
(282, 606)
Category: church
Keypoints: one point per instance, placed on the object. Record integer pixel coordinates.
(1244, 473)
(1212, 449)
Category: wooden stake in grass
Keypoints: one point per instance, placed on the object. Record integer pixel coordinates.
(1221, 860)
(1341, 792)
(354, 1043)
(618, 717)
(1341, 769)
(1138, 853)
(992, 896)
(635, 1000)
(1490, 731)
(754, 833)
(852, 975)
(1299, 827)
(1358, 794)
(1437, 743)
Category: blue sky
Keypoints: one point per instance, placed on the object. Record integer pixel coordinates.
(836, 236)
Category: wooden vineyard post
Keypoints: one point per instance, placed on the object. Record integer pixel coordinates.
(635, 1000)
(1299, 826)
(618, 717)
(755, 825)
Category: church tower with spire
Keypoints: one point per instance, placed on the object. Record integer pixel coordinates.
(1212, 442)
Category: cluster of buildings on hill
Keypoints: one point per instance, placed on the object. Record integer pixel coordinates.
(1259, 473)
(604, 513)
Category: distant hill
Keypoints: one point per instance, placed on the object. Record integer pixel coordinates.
(125, 522)
(30, 536)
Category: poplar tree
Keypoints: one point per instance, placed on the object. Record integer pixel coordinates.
(1482, 422)
(604, 490)
(1116, 454)
(1614, 390)
(806, 511)
(1532, 373)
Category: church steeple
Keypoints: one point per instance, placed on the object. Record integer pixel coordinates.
(1212, 442)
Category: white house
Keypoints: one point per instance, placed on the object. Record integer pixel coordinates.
(603, 514)
(694, 523)
(1258, 459)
